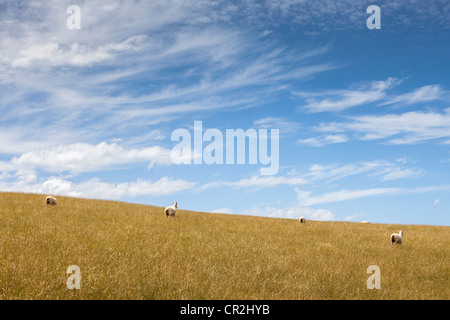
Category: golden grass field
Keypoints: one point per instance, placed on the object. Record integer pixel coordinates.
(129, 251)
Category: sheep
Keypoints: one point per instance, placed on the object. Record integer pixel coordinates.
(396, 238)
(302, 220)
(365, 221)
(51, 201)
(170, 211)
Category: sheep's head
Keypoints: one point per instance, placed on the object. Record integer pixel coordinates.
(401, 233)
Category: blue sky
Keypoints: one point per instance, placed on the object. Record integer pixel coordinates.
(363, 115)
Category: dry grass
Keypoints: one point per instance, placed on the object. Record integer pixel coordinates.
(128, 251)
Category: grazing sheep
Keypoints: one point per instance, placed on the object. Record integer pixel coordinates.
(397, 238)
(51, 201)
(302, 220)
(365, 221)
(171, 210)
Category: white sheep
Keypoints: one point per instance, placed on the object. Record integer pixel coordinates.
(302, 220)
(51, 201)
(365, 221)
(171, 210)
(396, 238)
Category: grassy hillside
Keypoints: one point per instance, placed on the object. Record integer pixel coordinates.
(128, 251)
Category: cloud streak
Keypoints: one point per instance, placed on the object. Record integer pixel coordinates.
(323, 140)
(306, 199)
(419, 95)
(339, 100)
(84, 157)
(406, 128)
(95, 188)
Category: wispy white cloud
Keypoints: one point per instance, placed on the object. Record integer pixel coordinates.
(95, 188)
(259, 182)
(84, 157)
(285, 126)
(422, 94)
(222, 210)
(76, 55)
(380, 169)
(406, 128)
(374, 92)
(323, 140)
(343, 195)
(338, 100)
(400, 173)
(25, 173)
(306, 199)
